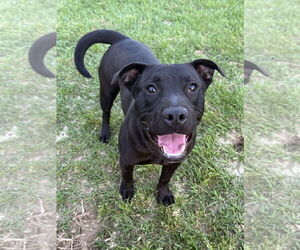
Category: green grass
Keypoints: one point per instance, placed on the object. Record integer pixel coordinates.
(27, 131)
(271, 112)
(209, 197)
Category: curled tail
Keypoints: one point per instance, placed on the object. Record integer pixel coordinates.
(97, 36)
(38, 51)
(248, 69)
(253, 66)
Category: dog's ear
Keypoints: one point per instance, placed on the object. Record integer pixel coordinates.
(128, 75)
(206, 69)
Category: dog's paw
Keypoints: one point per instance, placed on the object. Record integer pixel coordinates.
(104, 136)
(127, 193)
(166, 199)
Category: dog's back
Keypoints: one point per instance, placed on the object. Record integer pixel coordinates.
(122, 52)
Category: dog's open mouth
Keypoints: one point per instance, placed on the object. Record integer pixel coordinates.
(173, 145)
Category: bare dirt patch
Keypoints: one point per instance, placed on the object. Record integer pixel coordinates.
(84, 229)
(235, 139)
(292, 143)
(38, 231)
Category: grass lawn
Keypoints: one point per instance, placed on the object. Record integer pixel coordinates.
(27, 131)
(208, 186)
(271, 126)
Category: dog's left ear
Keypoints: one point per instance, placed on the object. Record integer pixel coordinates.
(129, 74)
(206, 69)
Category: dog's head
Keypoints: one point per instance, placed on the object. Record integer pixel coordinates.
(168, 102)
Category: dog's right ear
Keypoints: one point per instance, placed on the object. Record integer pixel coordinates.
(129, 74)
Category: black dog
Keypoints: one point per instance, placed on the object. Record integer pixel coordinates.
(162, 103)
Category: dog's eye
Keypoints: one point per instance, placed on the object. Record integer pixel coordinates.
(151, 89)
(193, 87)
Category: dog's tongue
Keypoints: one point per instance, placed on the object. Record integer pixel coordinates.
(172, 144)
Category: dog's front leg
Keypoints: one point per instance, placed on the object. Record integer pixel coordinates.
(164, 195)
(127, 183)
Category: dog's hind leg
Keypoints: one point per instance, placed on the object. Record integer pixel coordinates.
(108, 94)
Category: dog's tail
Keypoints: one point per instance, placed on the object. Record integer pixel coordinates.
(38, 51)
(253, 66)
(97, 36)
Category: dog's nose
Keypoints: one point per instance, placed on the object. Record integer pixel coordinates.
(175, 116)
